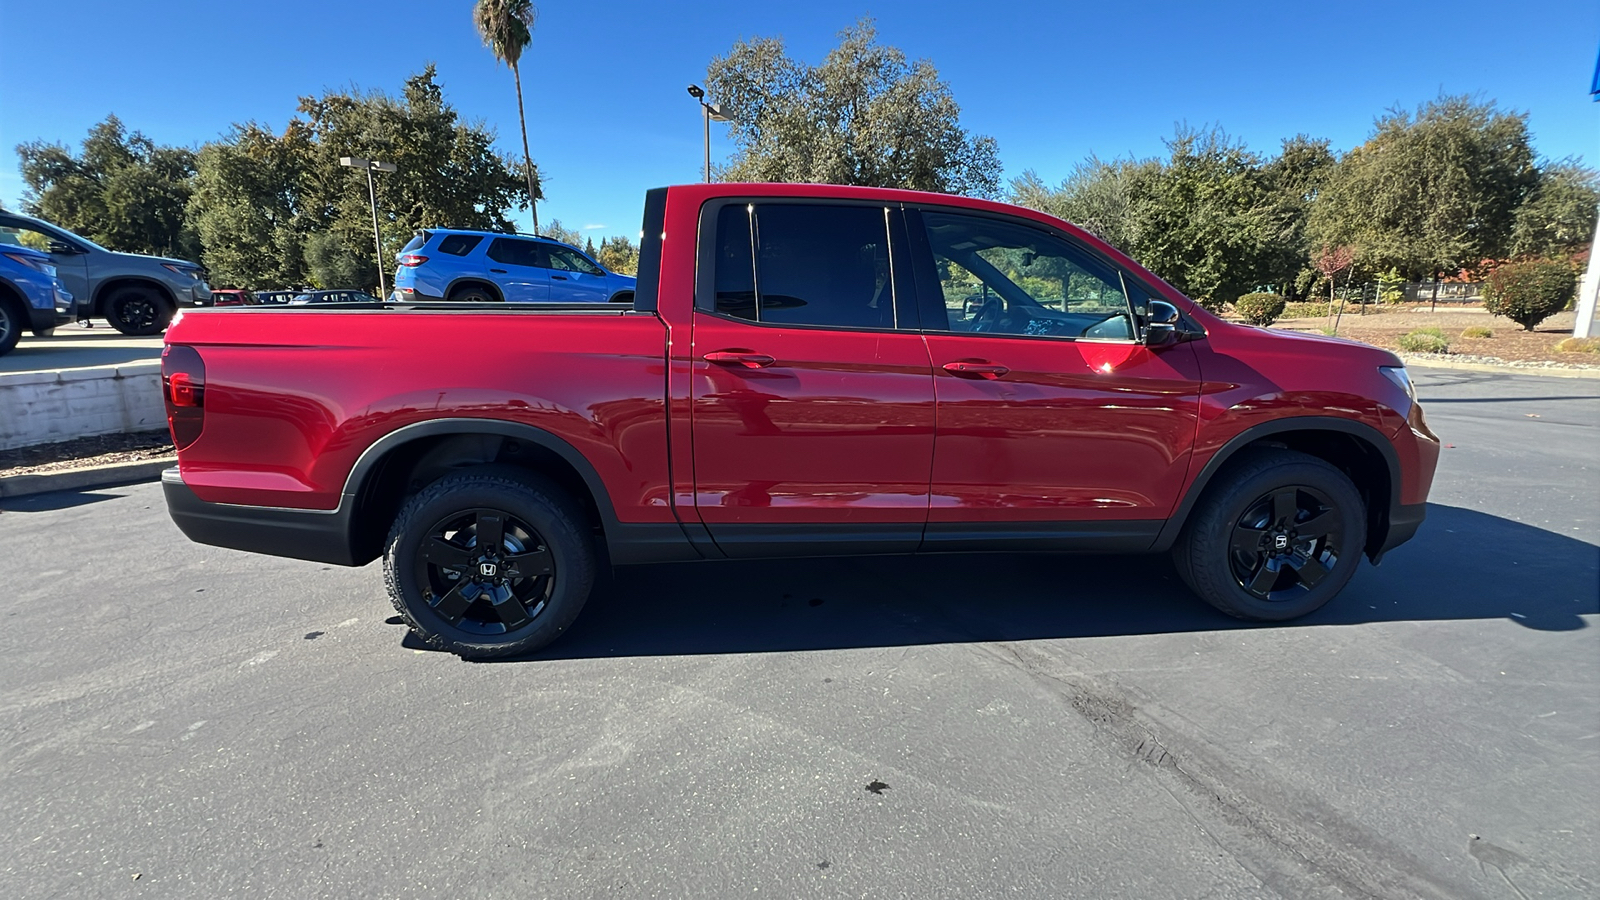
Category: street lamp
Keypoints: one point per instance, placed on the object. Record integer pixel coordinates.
(371, 165)
(711, 112)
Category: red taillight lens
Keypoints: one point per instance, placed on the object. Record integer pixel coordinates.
(411, 259)
(183, 386)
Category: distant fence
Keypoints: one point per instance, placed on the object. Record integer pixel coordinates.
(1451, 292)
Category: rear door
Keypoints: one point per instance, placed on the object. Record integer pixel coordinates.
(1050, 409)
(517, 266)
(812, 396)
(574, 279)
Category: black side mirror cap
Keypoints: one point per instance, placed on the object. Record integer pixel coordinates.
(63, 248)
(1161, 324)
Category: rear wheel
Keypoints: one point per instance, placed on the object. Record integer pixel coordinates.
(138, 311)
(473, 293)
(489, 562)
(1275, 541)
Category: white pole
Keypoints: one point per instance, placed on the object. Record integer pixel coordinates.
(1591, 286)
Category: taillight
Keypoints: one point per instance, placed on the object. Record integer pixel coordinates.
(183, 387)
(411, 259)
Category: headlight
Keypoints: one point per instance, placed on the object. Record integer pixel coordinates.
(1401, 378)
(31, 263)
(190, 271)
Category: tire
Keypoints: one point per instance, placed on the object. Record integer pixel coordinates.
(473, 293)
(11, 325)
(44, 332)
(477, 605)
(138, 311)
(1279, 537)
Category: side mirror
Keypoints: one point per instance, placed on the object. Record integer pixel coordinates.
(1161, 325)
(63, 248)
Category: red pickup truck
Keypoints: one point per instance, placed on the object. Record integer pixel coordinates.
(805, 370)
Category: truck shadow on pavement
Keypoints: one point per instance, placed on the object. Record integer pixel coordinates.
(1463, 564)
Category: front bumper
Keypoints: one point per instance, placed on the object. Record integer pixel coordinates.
(317, 535)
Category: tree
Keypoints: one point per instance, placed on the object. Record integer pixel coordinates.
(1098, 197)
(619, 255)
(1432, 193)
(557, 231)
(866, 116)
(122, 190)
(506, 27)
(258, 197)
(1529, 291)
(1330, 262)
(1558, 217)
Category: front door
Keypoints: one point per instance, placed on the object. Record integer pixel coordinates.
(574, 279)
(813, 404)
(1050, 409)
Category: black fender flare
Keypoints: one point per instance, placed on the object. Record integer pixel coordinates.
(473, 279)
(1359, 430)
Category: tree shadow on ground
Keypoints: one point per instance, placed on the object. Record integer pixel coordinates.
(1462, 565)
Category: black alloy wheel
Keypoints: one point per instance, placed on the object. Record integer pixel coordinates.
(1276, 535)
(137, 312)
(489, 561)
(485, 572)
(473, 294)
(1286, 543)
(10, 326)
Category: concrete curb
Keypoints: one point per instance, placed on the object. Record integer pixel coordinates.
(1552, 372)
(81, 479)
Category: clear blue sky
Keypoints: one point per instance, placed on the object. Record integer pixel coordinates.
(1051, 80)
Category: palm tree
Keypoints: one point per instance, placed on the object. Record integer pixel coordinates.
(506, 27)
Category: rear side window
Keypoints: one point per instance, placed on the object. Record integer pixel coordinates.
(459, 244)
(515, 252)
(805, 265)
(416, 242)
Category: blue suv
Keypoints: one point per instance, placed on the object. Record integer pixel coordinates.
(490, 267)
(32, 296)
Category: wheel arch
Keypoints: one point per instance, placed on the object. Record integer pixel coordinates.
(474, 281)
(406, 459)
(1362, 452)
(104, 291)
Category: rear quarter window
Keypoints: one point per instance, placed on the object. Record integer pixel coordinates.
(459, 244)
(416, 242)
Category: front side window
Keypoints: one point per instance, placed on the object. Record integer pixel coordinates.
(1003, 277)
(570, 261)
(804, 264)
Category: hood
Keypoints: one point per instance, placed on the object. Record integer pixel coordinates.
(29, 252)
(1307, 341)
(158, 259)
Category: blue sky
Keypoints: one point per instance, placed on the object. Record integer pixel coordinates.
(609, 117)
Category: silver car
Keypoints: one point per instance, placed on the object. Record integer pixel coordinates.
(137, 294)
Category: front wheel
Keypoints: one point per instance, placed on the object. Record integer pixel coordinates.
(138, 312)
(11, 322)
(1277, 539)
(489, 562)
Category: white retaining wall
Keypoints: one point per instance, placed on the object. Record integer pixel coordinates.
(58, 405)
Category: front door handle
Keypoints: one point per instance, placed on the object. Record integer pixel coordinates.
(975, 368)
(558, 277)
(498, 271)
(739, 358)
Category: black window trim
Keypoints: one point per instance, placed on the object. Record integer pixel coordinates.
(929, 295)
(908, 318)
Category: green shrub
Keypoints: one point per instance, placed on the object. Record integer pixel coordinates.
(1391, 287)
(1579, 345)
(1425, 340)
(1260, 309)
(1304, 310)
(1530, 291)
(1476, 331)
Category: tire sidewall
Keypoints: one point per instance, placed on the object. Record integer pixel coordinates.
(1206, 558)
(11, 324)
(472, 295)
(541, 506)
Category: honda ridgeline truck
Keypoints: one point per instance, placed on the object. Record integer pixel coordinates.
(806, 370)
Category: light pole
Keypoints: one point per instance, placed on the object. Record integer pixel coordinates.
(371, 165)
(710, 112)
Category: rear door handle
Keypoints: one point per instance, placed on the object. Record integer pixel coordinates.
(558, 277)
(498, 271)
(975, 368)
(739, 358)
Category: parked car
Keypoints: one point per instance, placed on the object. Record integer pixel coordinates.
(339, 296)
(800, 374)
(480, 266)
(231, 297)
(31, 296)
(137, 294)
(272, 298)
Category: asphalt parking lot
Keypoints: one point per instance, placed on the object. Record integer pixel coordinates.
(186, 721)
(76, 347)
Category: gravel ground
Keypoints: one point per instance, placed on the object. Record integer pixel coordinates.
(83, 452)
(1510, 345)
